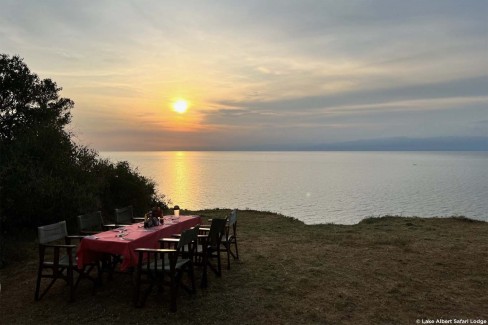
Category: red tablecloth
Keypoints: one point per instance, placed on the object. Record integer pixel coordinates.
(92, 248)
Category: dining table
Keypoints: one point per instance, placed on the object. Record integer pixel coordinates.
(123, 241)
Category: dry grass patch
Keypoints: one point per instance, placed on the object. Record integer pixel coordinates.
(390, 270)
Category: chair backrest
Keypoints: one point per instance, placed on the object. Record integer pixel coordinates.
(188, 236)
(231, 230)
(233, 217)
(217, 229)
(52, 232)
(124, 215)
(90, 221)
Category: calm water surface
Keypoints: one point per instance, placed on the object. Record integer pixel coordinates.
(321, 187)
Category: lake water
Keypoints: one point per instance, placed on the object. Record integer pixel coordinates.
(322, 187)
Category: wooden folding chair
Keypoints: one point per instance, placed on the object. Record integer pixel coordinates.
(62, 265)
(156, 264)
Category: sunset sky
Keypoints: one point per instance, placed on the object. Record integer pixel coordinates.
(258, 74)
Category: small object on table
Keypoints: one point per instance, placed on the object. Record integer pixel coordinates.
(153, 218)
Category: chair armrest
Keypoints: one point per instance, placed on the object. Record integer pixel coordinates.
(110, 226)
(68, 238)
(210, 220)
(138, 219)
(90, 232)
(169, 240)
(178, 235)
(75, 237)
(202, 240)
(204, 229)
(58, 245)
(155, 250)
(171, 243)
(203, 232)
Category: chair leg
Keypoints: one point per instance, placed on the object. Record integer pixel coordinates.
(38, 283)
(81, 274)
(137, 288)
(109, 264)
(47, 288)
(53, 277)
(204, 283)
(174, 287)
(237, 251)
(146, 293)
(99, 280)
(219, 263)
(227, 249)
(139, 301)
(85, 273)
(71, 285)
(191, 272)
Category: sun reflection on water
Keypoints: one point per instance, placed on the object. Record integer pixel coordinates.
(179, 171)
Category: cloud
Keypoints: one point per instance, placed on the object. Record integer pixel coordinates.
(260, 72)
(471, 87)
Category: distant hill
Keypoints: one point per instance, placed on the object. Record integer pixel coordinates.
(408, 144)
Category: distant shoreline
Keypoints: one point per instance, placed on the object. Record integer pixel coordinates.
(289, 150)
(475, 144)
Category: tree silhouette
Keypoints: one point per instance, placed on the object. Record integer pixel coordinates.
(27, 102)
(44, 176)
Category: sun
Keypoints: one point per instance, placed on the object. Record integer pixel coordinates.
(180, 106)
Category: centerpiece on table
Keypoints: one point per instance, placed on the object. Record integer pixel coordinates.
(153, 218)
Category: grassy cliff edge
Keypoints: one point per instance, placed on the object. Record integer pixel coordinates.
(380, 271)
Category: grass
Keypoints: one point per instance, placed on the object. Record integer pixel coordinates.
(390, 270)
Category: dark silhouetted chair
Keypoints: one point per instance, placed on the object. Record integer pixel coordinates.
(92, 223)
(62, 265)
(125, 216)
(209, 247)
(156, 264)
(230, 238)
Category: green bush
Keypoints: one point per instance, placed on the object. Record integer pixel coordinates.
(122, 185)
